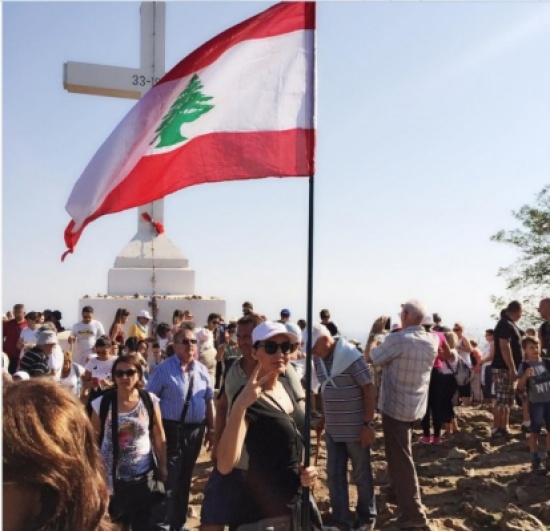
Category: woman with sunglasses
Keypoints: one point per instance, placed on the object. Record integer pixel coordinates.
(265, 419)
(136, 442)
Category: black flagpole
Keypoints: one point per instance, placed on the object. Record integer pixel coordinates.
(307, 434)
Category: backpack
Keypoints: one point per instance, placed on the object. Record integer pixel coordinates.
(463, 373)
(105, 405)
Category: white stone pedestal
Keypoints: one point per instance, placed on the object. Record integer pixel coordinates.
(149, 262)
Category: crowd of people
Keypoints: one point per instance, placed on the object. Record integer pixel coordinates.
(140, 406)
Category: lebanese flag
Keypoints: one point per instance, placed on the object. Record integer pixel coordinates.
(239, 107)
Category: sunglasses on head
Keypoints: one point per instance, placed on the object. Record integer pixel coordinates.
(119, 373)
(188, 342)
(271, 347)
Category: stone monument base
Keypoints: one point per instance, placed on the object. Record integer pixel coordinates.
(105, 307)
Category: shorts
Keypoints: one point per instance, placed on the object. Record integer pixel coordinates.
(465, 391)
(222, 498)
(504, 389)
(539, 413)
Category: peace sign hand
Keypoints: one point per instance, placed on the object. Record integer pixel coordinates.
(253, 389)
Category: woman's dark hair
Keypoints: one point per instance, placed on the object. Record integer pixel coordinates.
(50, 445)
(130, 359)
(178, 314)
(132, 343)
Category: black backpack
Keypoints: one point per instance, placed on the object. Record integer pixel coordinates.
(107, 400)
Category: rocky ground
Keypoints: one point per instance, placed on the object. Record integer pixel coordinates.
(468, 483)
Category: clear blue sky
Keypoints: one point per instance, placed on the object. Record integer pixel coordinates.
(433, 125)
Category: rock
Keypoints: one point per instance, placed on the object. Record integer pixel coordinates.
(449, 523)
(522, 494)
(514, 519)
(457, 453)
(482, 516)
(544, 511)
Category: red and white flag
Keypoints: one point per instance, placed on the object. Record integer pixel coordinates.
(239, 107)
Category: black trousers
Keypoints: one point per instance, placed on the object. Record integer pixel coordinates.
(183, 445)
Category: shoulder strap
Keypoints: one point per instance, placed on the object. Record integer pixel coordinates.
(114, 428)
(148, 403)
(451, 367)
(106, 400)
(187, 398)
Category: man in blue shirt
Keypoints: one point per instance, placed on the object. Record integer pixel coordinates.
(183, 386)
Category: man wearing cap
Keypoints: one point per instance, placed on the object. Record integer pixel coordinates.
(247, 307)
(285, 316)
(348, 399)
(35, 360)
(407, 358)
(140, 328)
(84, 335)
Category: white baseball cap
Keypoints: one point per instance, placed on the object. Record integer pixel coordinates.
(145, 313)
(317, 331)
(269, 329)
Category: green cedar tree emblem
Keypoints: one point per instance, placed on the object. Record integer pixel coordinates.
(188, 107)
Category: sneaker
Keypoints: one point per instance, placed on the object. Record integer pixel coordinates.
(437, 441)
(364, 527)
(425, 439)
(537, 468)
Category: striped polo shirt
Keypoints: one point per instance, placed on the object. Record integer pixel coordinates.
(343, 397)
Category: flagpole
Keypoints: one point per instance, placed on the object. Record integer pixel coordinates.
(307, 428)
(307, 435)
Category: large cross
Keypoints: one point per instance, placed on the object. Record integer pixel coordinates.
(121, 82)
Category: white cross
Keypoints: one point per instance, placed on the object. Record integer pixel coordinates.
(121, 82)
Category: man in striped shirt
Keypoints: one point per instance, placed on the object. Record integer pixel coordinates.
(348, 398)
(35, 361)
(407, 358)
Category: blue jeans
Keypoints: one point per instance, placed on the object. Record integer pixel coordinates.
(338, 454)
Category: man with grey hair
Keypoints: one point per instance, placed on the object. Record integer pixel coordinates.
(407, 358)
(349, 401)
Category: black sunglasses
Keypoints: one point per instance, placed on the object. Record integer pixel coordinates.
(187, 342)
(271, 347)
(119, 373)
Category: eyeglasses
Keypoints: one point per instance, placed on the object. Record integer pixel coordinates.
(187, 342)
(457, 329)
(271, 347)
(120, 373)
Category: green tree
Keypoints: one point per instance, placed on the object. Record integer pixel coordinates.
(188, 107)
(529, 276)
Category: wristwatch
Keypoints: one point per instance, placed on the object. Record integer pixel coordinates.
(369, 424)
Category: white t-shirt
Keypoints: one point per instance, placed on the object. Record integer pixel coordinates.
(100, 368)
(55, 362)
(86, 335)
(29, 338)
(72, 382)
